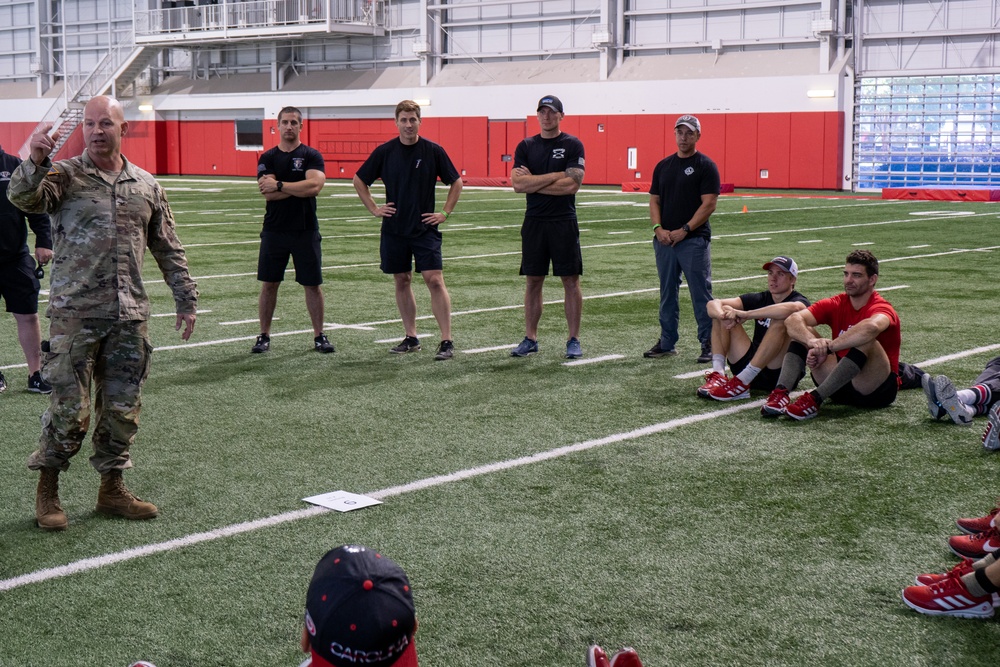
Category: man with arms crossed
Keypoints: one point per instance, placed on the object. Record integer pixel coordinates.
(755, 363)
(410, 167)
(105, 213)
(682, 196)
(18, 284)
(289, 176)
(859, 364)
(548, 168)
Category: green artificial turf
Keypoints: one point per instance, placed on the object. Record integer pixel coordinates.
(712, 538)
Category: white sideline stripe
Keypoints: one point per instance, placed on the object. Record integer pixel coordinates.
(96, 562)
(479, 350)
(420, 336)
(959, 355)
(812, 241)
(593, 360)
(253, 321)
(892, 287)
(197, 312)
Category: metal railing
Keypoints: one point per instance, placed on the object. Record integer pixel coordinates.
(226, 15)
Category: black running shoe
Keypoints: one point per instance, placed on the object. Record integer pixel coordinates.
(38, 385)
(446, 350)
(409, 344)
(263, 344)
(323, 344)
(3, 383)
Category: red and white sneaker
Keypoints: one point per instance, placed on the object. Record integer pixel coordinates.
(776, 403)
(959, 570)
(949, 597)
(803, 408)
(979, 524)
(712, 379)
(627, 657)
(596, 657)
(732, 390)
(975, 546)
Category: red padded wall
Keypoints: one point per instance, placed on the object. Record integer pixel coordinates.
(799, 150)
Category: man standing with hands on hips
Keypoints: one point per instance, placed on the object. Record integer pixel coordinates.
(410, 167)
(548, 168)
(289, 176)
(683, 194)
(105, 213)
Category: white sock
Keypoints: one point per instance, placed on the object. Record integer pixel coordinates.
(719, 363)
(747, 375)
(967, 396)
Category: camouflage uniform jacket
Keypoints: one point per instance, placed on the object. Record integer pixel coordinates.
(100, 233)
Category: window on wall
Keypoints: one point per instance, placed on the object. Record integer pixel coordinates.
(931, 131)
(249, 134)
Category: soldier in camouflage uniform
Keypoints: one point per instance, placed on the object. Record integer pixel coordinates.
(105, 213)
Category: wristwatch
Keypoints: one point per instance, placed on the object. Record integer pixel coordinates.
(686, 227)
(280, 185)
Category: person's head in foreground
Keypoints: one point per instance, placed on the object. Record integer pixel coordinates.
(359, 611)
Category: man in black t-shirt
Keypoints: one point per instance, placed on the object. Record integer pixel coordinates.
(682, 196)
(18, 284)
(410, 167)
(548, 167)
(755, 362)
(290, 175)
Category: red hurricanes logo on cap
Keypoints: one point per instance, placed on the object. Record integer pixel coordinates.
(310, 626)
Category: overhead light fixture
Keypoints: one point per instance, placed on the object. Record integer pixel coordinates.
(423, 103)
(820, 93)
(145, 107)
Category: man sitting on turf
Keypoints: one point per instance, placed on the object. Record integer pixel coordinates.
(859, 364)
(755, 363)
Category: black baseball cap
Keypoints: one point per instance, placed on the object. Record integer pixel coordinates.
(552, 102)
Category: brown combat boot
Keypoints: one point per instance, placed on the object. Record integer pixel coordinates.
(49, 513)
(114, 499)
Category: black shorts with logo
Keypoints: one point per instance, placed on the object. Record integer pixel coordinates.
(304, 249)
(556, 241)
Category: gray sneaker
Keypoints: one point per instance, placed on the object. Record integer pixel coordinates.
(991, 436)
(947, 398)
(446, 350)
(933, 407)
(525, 347)
(573, 349)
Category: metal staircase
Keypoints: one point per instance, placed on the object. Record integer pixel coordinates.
(119, 69)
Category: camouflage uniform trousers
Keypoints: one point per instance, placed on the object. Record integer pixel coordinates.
(114, 357)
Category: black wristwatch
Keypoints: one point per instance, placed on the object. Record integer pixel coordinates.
(280, 185)
(686, 228)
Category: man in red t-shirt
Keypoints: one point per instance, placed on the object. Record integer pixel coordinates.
(859, 364)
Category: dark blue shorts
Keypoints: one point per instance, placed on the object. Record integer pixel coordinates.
(400, 253)
(302, 247)
(19, 286)
(555, 241)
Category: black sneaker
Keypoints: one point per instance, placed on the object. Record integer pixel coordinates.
(38, 385)
(706, 353)
(409, 344)
(3, 383)
(323, 344)
(446, 350)
(263, 344)
(656, 352)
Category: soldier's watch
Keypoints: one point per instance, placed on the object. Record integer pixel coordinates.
(686, 227)
(280, 185)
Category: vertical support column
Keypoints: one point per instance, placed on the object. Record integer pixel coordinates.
(430, 36)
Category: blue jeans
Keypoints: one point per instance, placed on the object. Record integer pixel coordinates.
(693, 257)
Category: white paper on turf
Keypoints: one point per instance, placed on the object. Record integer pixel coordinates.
(342, 501)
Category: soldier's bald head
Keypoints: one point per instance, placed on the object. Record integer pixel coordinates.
(105, 104)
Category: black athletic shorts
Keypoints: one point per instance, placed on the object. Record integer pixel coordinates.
(400, 253)
(880, 398)
(302, 247)
(19, 286)
(766, 380)
(555, 241)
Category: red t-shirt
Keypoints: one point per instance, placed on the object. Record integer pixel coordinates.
(838, 313)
